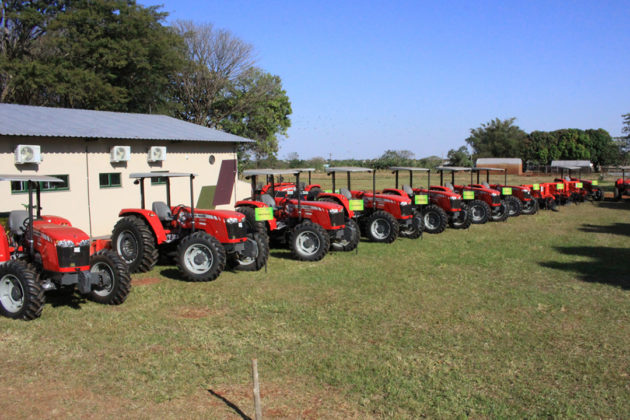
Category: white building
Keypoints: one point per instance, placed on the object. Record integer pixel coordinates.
(95, 151)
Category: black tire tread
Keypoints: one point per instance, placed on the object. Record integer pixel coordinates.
(380, 214)
(123, 281)
(262, 241)
(211, 240)
(486, 208)
(321, 233)
(35, 299)
(352, 245)
(443, 218)
(516, 203)
(150, 252)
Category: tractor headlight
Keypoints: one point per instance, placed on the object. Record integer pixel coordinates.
(495, 195)
(85, 242)
(333, 211)
(404, 203)
(65, 243)
(231, 220)
(453, 198)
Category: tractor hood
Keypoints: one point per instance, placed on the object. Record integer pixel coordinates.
(445, 191)
(221, 214)
(54, 232)
(323, 205)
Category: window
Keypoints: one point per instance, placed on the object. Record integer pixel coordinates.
(109, 180)
(158, 180)
(18, 187)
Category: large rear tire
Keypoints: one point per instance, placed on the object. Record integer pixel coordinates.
(414, 229)
(309, 241)
(133, 241)
(463, 219)
(530, 207)
(479, 211)
(200, 257)
(253, 225)
(21, 294)
(500, 213)
(382, 227)
(350, 240)
(115, 277)
(434, 218)
(598, 195)
(514, 206)
(255, 255)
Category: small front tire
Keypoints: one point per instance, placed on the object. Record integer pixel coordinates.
(116, 281)
(309, 241)
(382, 227)
(200, 257)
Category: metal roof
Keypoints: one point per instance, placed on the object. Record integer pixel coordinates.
(347, 169)
(34, 178)
(39, 121)
(160, 175)
(454, 168)
(483, 168)
(490, 161)
(306, 169)
(408, 168)
(582, 163)
(251, 172)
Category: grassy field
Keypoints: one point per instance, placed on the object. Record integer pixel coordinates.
(528, 318)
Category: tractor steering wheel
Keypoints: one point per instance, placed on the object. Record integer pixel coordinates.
(25, 224)
(182, 214)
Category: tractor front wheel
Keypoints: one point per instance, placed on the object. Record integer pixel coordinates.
(381, 226)
(255, 255)
(134, 242)
(463, 219)
(414, 229)
(200, 257)
(115, 278)
(500, 213)
(598, 195)
(21, 295)
(480, 212)
(530, 207)
(434, 218)
(514, 206)
(350, 239)
(309, 241)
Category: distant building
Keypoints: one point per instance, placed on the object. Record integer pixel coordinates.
(513, 166)
(95, 151)
(578, 163)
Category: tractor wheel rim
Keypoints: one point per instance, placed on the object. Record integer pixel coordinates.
(11, 293)
(198, 259)
(380, 229)
(431, 221)
(246, 260)
(477, 213)
(308, 243)
(511, 209)
(106, 272)
(127, 246)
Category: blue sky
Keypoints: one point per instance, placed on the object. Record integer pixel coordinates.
(367, 76)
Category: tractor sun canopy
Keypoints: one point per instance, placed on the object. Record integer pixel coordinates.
(140, 177)
(452, 170)
(33, 178)
(487, 170)
(396, 169)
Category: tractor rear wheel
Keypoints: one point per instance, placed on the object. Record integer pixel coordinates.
(255, 255)
(309, 241)
(414, 229)
(200, 257)
(551, 204)
(530, 207)
(598, 195)
(350, 239)
(21, 295)
(115, 278)
(134, 242)
(434, 218)
(381, 226)
(514, 206)
(480, 211)
(463, 219)
(500, 213)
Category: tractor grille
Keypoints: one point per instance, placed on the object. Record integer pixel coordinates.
(337, 219)
(235, 231)
(69, 258)
(405, 210)
(456, 204)
(496, 199)
(526, 194)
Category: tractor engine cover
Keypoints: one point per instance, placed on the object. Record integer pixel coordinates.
(63, 248)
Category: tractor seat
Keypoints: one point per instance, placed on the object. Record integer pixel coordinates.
(162, 210)
(485, 184)
(566, 178)
(407, 189)
(313, 193)
(450, 186)
(16, 222)
(346, 193)
(268, 200)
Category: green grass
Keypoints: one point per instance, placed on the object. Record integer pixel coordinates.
(528, 318)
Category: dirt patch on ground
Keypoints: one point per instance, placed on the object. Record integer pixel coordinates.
(145, 281)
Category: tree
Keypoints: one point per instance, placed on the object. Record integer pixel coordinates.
(497, 138)
(394, 158)
(96, 54)
(459, 157)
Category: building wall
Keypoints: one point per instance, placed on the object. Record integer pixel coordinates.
(95, 209)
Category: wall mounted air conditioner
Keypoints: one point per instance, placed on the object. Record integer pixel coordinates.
(120, 154)
(157, 153)
(28, 153)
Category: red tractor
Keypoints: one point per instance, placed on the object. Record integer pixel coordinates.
(590, 187)
(202, 241)
(622, 185)
(39, 253)
(485, 203)
(573, 188)
(542, 193)
(306, 225)
(518, 199)
(384, 216)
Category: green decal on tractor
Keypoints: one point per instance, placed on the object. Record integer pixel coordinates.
(579, 185)
(356, 205)
(506, 190)
(594, 182)
(536, 187)
(560, 186)
(264, 213)
(469, 195)
(330, 191)
(421, 199)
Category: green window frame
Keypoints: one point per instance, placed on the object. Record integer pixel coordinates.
(109, 180)
(158, 181)
(21, 187)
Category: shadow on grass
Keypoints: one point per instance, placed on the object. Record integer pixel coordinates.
(607, 265)
(284, 255)
(609, 203)
(230, 404)
(172, 273)
(65, 297)
(616, 228)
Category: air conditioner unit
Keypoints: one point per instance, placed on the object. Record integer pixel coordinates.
(27, 153)
(157, 153)
(120, 154)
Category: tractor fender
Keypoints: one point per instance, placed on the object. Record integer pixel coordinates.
(271, 224)
(56, 220)
(339, 199)
(151, 218)
(5, 250)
